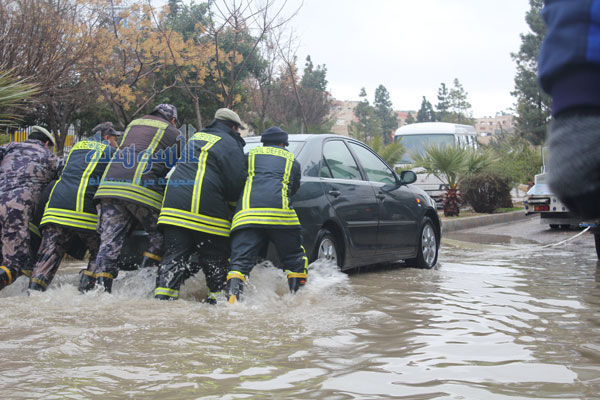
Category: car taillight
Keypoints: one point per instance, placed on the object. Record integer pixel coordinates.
(541, 208)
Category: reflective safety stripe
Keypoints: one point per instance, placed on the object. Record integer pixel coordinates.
(8, 273)
(201, 166)
(104, 275)
(70, 218)
(265, 216)
(152, 256)
(39, 282)
(297, 275)
(166, 292)
(198, 222)
(88, 273)
(27, 272)
(236, 274)
(285, 204)
(34, 229)
(146, 154)
(214, 295)
(83, 183)
(130, 192)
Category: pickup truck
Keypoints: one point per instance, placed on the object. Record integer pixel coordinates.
(540, 199)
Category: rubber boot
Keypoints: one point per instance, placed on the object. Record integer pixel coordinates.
(296, 281)
(106, 283)
(234, 289)
(37, 284)
(212, 297)
(87, 281)
(7, 276)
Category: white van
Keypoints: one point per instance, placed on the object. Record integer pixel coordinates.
(416, 138)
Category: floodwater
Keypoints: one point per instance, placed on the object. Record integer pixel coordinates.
(507, 321)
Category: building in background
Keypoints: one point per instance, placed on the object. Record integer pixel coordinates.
(343, 113)
(490, 126)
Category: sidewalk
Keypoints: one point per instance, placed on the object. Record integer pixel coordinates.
(450, 225)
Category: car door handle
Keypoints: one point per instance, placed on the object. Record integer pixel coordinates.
(380, 196)
(335, 193)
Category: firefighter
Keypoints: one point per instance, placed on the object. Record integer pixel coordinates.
(25, 170)
(70, 210)
(132, 189)
(196, 217)
(264, 213)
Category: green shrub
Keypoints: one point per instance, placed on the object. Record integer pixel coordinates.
(486, 191)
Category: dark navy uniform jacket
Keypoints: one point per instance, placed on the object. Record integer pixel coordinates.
(207, 182)
(71, 200)
(273, 177)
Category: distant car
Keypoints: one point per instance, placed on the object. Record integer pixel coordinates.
(353, 208)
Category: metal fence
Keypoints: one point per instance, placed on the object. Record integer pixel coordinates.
(22, 135)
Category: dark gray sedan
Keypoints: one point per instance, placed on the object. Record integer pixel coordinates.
(355, 210)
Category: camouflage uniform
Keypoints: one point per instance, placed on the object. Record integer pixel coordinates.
(115, 219)
(55, 243)
(25, 170)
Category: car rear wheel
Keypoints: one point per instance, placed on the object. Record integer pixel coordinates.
(327, 248)
(427, 249)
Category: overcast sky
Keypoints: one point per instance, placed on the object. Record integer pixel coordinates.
(411, 46)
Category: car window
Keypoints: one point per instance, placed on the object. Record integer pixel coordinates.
(340, 161)
(377, 170)
(294, 146)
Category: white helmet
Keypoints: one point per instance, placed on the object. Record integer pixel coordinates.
(37, 128)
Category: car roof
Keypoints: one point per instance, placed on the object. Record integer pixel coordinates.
(299, 137)
(435, 127)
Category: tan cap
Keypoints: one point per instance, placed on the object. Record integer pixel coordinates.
(37, 128)
(225, 114)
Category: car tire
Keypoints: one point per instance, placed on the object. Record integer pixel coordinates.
(327, 248)
(427, 248)
(597, 243)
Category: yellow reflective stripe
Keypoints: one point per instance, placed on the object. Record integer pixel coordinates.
(214, 295)
(149, 122)
(297, 275)
(167, 220)
(104, 275)
(166, 292)
(267, 211)
(152, 256)
(8, 273)
(61, 212)
(39, 282)
(34, 229)
(200, 218)
(236, 274)
(285, 183)
(83, 183)
(249, 180)
(263, 221)
(127, 195)
(27, 272)
(201, 166)
(273, 151)
(88, 273)
(131, 187)
(69, 222)
(146, 154)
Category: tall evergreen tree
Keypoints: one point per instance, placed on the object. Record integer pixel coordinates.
(425, 113)
(533, 106)
(385, 112)
(443, 105)
(459, 105)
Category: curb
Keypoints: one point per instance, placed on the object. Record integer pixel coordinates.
(474, 222)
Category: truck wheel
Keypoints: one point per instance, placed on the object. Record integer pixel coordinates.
(597, 242)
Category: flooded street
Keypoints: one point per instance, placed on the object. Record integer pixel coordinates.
(496, 319)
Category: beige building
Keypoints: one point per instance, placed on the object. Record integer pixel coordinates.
(490, 126)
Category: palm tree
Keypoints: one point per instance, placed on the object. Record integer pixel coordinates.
(12, 92)
(449, 164)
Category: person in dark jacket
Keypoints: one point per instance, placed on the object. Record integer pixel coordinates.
(196, 213)
(569, 70)
(132, 189)
(70, 210)
(25, 170)
(264, 213)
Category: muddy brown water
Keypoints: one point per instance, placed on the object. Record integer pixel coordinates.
(504, 321)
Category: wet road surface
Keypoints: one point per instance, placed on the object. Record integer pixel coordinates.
(500, 317)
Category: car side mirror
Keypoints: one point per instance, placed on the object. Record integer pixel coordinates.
(407, 177)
